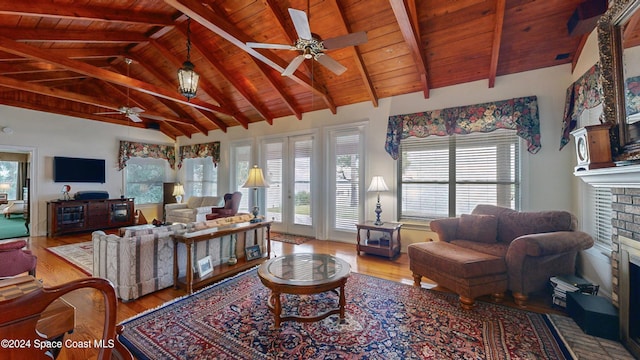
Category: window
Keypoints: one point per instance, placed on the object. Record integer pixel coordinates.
(145, 178)
(201, 177)
(600, 202)
(448, 176)
(346, 154)
(9, 179)
(241, 160)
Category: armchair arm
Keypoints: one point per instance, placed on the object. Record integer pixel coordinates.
(445, 228)
(550, 243)
(203, 210)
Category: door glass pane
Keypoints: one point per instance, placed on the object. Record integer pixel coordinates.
(302, 182)
(273, 176)
(347, 200)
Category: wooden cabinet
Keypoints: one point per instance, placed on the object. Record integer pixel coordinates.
(383, 240)
(69, 216)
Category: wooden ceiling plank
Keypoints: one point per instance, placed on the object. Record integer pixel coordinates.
(207, 55)
(197, 11)
(277, 87)
(497, 39)
(48, 9)
(401, 12)
(173, 106)
(364, 74)
(17, 48)
(72, 53)
(204, 85)
(68, 36)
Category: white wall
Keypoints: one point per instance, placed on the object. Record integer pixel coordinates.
(48, 135)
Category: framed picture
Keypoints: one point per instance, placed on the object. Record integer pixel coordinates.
(204, 266)
(252, 252)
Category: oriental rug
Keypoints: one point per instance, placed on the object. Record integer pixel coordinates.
(384, 320)
(290, 238)
(79, 255)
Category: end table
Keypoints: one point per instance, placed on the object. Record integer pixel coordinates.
(383, 240)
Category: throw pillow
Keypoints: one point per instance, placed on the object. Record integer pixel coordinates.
(481, 228)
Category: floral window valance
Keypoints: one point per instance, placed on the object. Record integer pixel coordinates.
(200, 151)
(520, 114)
(585, 93)
(130, 149)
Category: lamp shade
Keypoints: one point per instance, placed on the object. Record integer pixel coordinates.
(377, 184)
(5, 187)
(255, 179)
(178, 190)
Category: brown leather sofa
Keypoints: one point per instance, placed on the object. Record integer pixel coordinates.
(496, 249)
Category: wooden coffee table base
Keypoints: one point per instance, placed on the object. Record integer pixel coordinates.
(275, 304)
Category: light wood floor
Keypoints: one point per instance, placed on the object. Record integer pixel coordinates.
(89, 314)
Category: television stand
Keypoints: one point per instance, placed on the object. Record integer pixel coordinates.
(73, 216)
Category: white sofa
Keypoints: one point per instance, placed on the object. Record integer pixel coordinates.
(194, 210)
(16, 207)
(141, 261)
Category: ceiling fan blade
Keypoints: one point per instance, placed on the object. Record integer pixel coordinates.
(270, 46)
(345, 40)
(293, 65)
(134, 117)
(301, 23)
(108, 113)
(152, 117)
(331, 64)
(135, 110)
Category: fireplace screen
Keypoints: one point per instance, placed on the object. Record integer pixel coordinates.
(119, 212)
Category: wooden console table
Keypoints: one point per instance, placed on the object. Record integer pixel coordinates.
(189, 281)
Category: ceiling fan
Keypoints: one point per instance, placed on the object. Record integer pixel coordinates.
(313, 47)
(133, 113)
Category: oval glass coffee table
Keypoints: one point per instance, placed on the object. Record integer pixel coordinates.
(304, 274)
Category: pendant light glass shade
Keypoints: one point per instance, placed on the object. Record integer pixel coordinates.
(187, 77)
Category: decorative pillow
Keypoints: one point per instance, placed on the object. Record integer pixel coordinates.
(480, 228)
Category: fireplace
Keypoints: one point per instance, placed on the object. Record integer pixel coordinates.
(629, 293)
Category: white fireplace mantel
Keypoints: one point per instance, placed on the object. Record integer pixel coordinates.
(612, 177)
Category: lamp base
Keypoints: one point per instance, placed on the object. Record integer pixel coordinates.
(255, 213)
(378, 211)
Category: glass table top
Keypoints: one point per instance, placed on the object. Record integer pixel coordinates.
(304, 269)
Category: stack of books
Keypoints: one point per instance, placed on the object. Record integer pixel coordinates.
(562, 284)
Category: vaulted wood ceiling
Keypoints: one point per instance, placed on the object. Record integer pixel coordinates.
(68, 57)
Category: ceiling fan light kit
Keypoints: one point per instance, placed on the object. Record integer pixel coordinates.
(311, 47)
(187, 77)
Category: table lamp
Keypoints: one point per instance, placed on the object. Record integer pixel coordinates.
(378, 185)
(178, 192)
(255, 181)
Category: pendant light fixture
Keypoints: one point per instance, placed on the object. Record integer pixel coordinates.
(187, 77)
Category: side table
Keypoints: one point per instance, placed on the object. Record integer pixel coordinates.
(383, 240)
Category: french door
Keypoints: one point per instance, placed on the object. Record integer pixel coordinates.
(288, 168)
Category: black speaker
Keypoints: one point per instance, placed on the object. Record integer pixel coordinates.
(91, 195)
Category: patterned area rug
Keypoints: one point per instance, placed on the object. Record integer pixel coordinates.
(289, 238)
(384, 320)
(79, 255)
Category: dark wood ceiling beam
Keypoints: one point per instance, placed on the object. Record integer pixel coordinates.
(576, 56)
(39, 67)
(209, 19)
(364, 74)
(17, 48)
(204, 85)
(207, 55)
(84, 37)
(161, 78)
(60, 111)
(497, 40)
(407, 28)
(72, 53)
(71, 96)
(48, 9)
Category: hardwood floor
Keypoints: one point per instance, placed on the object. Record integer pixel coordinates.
(89, 309)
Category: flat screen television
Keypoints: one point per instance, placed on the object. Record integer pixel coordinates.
(68, 169)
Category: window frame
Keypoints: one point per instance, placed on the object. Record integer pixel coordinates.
(450, 143)
(160, 184)
(207, 164)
